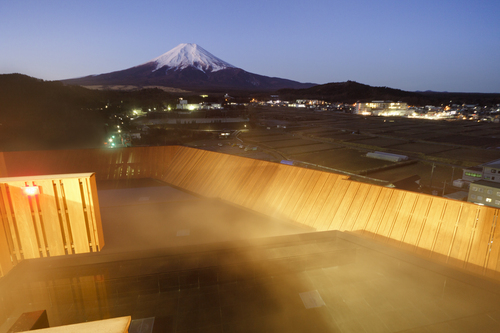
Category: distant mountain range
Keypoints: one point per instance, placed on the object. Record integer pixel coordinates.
(189, 67)
(351, 92)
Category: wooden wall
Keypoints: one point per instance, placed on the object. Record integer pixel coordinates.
(64, 218)
(452, 232)
(3, 167)
(137, 162)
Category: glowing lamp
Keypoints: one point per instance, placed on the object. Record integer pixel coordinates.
(31, 190)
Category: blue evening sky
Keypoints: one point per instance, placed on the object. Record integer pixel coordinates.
(442, 45)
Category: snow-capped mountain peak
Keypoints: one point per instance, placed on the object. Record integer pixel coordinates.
(185, 55)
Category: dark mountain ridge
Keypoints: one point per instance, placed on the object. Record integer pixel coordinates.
(351, 92)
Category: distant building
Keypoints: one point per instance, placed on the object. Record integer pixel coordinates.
(484, 183)
(469, 176)
(491, 171)
(183, 105)
(473, 174)
(387, 156)
(485, 192)
(382, 108)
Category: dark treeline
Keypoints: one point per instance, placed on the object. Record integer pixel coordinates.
(37, 114)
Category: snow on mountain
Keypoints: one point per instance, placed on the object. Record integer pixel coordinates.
(186, 55)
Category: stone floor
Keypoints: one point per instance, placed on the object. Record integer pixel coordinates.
(294, 282)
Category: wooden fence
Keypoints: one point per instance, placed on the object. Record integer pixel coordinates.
(62, 218)
(107, 164)
(452, 232)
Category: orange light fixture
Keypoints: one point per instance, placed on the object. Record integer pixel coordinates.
(31, 190)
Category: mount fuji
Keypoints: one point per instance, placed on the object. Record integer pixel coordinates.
(190, 67)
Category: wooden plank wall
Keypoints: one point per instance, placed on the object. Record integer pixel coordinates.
(108, 164)
(3, 167)
(62, 219)
(452, 232)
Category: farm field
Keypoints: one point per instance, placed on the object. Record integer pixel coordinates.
(345, 159)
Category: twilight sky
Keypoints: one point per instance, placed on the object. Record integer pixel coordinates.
(441, 45)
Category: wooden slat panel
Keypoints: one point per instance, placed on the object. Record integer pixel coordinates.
(256, 185)
(466, 228)
(238, 190)
(444, 238)
(287, 174)
(319, 199)
(357, 206)
(379, 210)
(178, 168)
(189, 175)
(37, 221)
(299, 191)
(24, 221)
(244, 182)
(6, 246)
(247, 191)
(401, 222)
(76, 217)
(89, 212)
(167, 157)
(223, 186)
(264, 204)
(9, 222)
(94, 205)
(270, 175)
(480, 243)
(428, 230)
(295, 177)
(345, 204)
(190, 159)
(304, 191)
(6, 263)
(369, 205)
(269, 195)
(61, 206)
(3, 166)
(213, 176)
(210, 164)
(332, 203)
(222, 180)
(416, 223)
(493, 263)
(311, 192)
(50, 218)
(391, 216)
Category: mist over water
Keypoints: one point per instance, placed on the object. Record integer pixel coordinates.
(162, 220)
